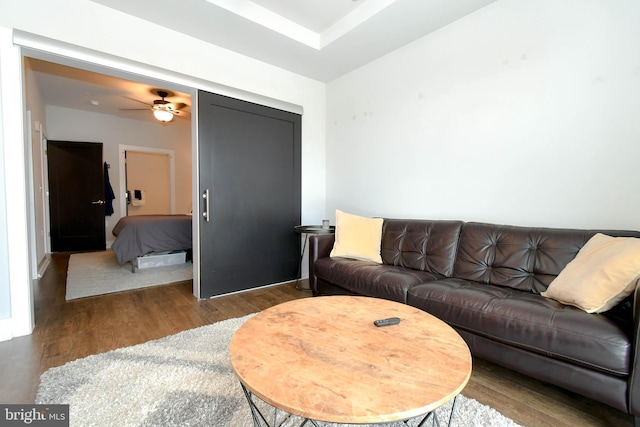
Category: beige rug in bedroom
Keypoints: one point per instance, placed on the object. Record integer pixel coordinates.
(98, 273)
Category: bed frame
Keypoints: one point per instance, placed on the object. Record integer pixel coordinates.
(152, 237)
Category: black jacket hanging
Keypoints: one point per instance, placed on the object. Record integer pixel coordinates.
(109, 196)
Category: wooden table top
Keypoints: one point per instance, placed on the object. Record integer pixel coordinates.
(323, 358)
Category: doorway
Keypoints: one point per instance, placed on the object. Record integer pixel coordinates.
(148, 183)
(139, 161)
(28, 45)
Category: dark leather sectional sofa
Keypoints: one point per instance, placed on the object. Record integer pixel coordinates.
(485, 280)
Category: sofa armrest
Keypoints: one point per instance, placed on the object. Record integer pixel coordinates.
(634, 374)
(320, 246)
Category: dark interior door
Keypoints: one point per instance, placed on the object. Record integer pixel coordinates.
(249, 162)
(76, 196)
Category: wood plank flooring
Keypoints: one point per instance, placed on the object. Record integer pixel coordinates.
(67, 331)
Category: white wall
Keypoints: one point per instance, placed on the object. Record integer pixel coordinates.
(525, 112)
(93, 26)
(5, 291)
(66, 124)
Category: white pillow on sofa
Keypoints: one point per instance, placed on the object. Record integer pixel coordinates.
(603, 273)
(357, 237)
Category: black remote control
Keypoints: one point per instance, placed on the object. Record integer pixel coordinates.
(387, 322)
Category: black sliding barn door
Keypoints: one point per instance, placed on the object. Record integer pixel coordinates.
(249, 167)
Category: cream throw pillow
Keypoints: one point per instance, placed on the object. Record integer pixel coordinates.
(357, 237)
(603, 273)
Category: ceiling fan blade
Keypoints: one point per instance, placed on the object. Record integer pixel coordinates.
(141, 102)
(179, 105)
(134, 109)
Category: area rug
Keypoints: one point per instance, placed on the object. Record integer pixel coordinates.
(184, 379)
(98, 273)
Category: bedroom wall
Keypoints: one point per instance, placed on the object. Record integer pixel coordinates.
(525, 112)
(75, 125)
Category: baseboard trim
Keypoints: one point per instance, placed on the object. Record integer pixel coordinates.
(43, 265)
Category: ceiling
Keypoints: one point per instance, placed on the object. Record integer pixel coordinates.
(320, 39)
(78, 89)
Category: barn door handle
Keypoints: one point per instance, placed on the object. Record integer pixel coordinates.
(98, 202)
(205, 212)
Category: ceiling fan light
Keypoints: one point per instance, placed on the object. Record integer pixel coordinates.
(163, 115)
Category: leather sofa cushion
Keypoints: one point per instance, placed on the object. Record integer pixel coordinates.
(528, 321)
(420, 244)
(371, 279)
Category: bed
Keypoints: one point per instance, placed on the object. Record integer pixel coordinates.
(140, 235)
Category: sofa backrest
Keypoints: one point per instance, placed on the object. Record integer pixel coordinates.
(524, 258)
(420, 244)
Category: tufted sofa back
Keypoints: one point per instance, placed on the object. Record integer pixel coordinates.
(421, 244)
(523, 258)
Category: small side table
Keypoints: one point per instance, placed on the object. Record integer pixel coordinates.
(307, 230)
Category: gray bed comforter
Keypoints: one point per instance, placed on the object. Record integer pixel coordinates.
(139, 235)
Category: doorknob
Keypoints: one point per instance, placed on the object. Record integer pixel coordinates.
(98, 202)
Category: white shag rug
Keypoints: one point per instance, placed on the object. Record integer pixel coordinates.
(98, 273)
(182, 380)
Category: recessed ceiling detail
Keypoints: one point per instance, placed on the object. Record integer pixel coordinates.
(319, 39)
(313, 23)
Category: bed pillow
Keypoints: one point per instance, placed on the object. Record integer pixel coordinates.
(603, 273)
(357, 237)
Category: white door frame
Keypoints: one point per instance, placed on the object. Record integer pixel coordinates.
(122, 149)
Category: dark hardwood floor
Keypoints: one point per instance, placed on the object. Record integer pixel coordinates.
(67, 331)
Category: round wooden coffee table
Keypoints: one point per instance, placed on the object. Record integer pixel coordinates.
(323, 359)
